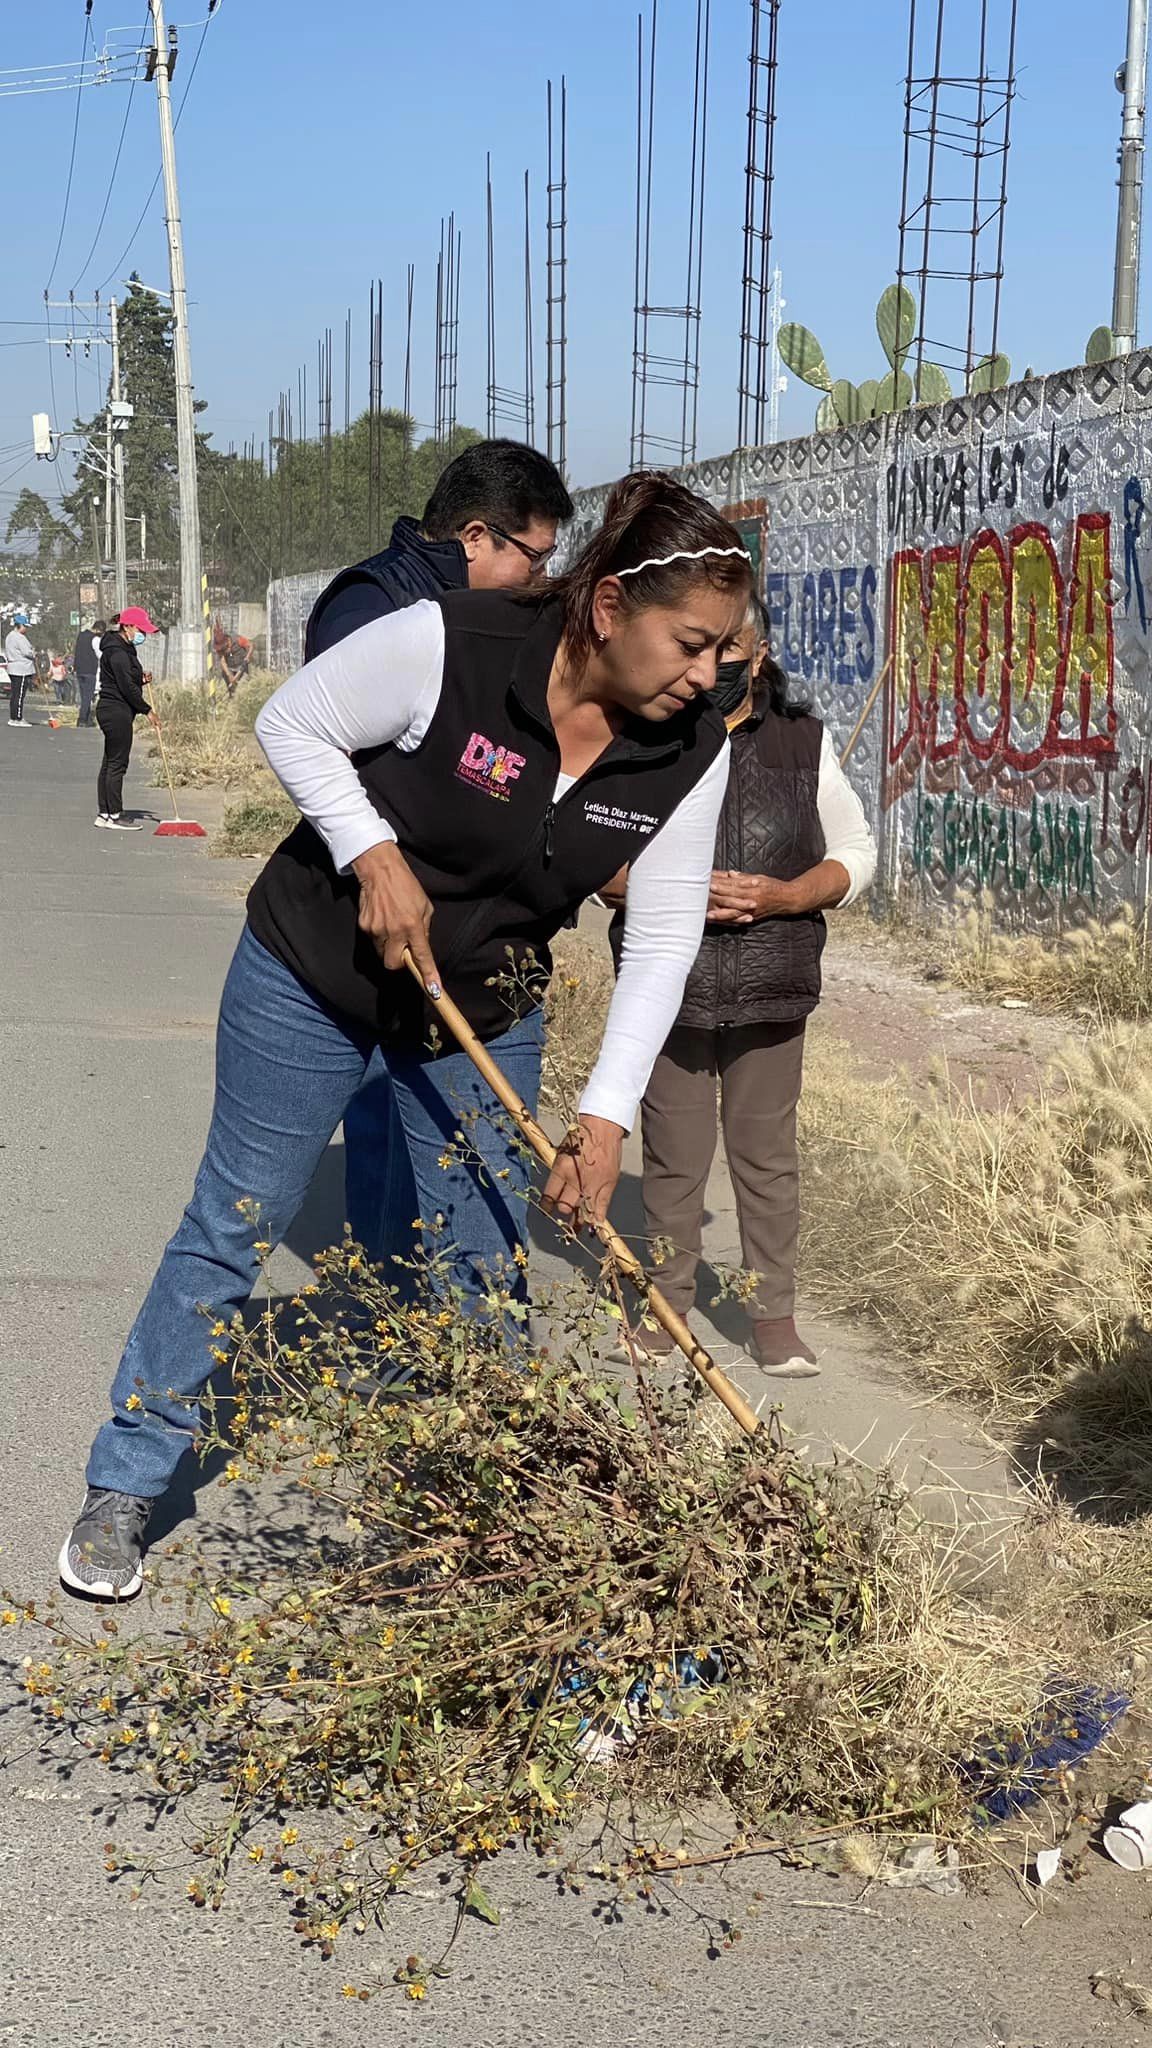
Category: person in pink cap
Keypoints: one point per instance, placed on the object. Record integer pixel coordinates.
(120, 703)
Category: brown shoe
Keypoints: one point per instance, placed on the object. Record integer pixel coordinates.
(781, 1352)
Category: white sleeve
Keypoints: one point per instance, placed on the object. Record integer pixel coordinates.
(663, 924)
(382, 683)
(847, 833)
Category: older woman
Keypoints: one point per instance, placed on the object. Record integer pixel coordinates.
(469, 770)
(793, 842)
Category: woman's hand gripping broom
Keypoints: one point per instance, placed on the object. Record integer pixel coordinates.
(660, 1310)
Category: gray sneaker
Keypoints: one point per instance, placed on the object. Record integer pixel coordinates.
(104, 1555)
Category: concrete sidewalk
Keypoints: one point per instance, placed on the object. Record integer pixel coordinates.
(113, 951)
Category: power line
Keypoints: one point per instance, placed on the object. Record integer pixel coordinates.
(72, 158)
(115, 166)
(118, 266)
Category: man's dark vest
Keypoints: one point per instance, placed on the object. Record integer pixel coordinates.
(767, 973)
(408, 569)
(473, 811)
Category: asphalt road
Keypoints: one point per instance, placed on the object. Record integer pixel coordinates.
(112, 954)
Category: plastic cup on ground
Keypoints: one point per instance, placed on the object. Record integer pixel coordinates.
(1129, 1842)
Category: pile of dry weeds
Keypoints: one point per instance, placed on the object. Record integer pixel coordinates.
(530, 1587)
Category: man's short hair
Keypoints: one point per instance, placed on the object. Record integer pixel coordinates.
(503, 481)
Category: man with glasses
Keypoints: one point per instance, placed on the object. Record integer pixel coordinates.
(490, 524)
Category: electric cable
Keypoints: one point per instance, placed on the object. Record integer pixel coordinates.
(72, 157)
(122, 258)
(115, 163)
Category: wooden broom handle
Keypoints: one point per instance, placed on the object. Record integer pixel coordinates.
(862, 721)
(663, 1312)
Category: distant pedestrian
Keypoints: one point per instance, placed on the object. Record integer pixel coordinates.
(121, 702)
(58, 675)
(86, 667)
(20, 660)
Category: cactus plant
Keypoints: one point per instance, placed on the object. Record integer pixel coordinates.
(896, 323)
(844, 403)
(990, 375)
(804, 356)
(1101, 346)
(894, 392)
(932, 386)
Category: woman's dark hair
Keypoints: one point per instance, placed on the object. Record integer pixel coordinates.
(98, 626)
(648, 517)
(772, 686)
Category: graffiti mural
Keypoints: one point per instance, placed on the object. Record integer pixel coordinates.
(989, 558)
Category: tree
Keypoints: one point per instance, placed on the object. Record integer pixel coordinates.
(55, 538)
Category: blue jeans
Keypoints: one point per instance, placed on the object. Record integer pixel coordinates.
(286, 1069)
(380, 1197)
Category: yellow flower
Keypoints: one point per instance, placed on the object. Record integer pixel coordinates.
(256, 1855)
(231, 1469)
(9, 1616)
(133, 1401)
(520, 1255)
(106, 1704)
(220, 1356)
(219, 1329)
(293, 1678)
(287, 1877)
(289, 1836)
(328, 1930)
(327, 1377)
(416, 1990)
(222, 1604)
(127, 1737)
(244, 1656)
(349, 1991)
(444, 1161)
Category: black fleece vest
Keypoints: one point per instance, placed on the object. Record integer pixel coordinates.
(504, 865)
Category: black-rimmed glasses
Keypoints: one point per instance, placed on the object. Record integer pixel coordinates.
(537, 556)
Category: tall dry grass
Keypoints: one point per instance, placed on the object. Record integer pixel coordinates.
(1103, 968)
(1008, 1251)
(209, 740)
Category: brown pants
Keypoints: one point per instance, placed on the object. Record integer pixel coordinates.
(759, 1068)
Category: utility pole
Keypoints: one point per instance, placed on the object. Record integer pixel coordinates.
(121, 556)
(189, 650)
(1130, 80)
(92, 504)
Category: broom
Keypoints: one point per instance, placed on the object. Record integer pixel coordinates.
(174, 827)
(661, 1311)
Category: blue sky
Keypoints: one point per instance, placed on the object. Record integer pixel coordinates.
(321, 145)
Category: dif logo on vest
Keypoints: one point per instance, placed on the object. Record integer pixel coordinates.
(489, 767)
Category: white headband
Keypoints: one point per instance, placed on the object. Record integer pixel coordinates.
(681, 555)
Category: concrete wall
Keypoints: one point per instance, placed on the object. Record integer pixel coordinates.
(997, 549)
(290, 599)
(994, 552)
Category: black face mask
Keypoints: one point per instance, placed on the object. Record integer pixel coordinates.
(731, 689)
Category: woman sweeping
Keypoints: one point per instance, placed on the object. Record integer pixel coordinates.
(468, 770)
(120, 703)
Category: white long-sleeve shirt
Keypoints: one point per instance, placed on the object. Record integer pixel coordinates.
(848, 836)
(382, 684)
